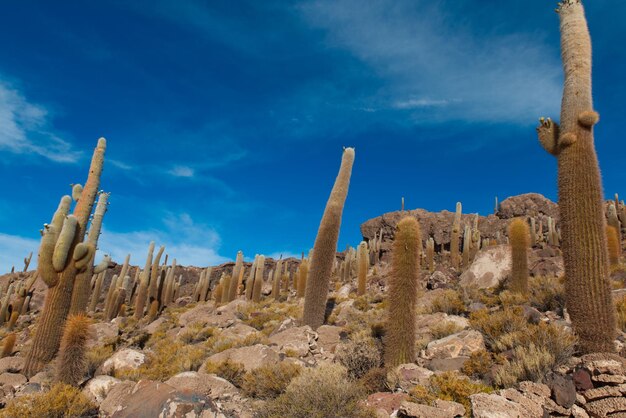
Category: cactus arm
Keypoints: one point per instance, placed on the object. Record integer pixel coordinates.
(60, 257)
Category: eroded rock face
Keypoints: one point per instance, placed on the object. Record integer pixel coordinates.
(210, 385)
(461, 344)
(251, 357)
(98, 388)
(490, 267)
(495, 406)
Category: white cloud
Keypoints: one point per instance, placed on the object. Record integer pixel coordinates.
(25, 128)
(186, 241)
(181, 171)
(436, 67)
(13, 249)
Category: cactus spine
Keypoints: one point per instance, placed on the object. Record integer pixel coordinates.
(72, 360)
(403, 286)
(455, 237)
(581, 206)
(363, 264)
(325, 246)
(519, 239)
(59, 296)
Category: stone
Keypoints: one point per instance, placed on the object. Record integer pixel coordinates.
(344, 291)
(154, 326)
(116, 397)
(486, 405)
(447, 364)
(126, 358)
(578, 412)
(209, 385)
(238, 330)
(202, 313)
(414, 410)
(461, 344)
(604, 392)
(604, 407)
(582, 379)
(562, 388)
(439, 280)
(13, 380)
(155, 399)
(609, 378)
(389, 402)
(454, 408)
(328, 336)
(11, 364)
(406, 376)
(98, 388)
(251, 357)
(533, 388)
(102, 332)
(532, 406)
(490, 267)
(293, 340)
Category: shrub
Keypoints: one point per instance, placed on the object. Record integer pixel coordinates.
(268, 382)
(449, 302)
(493, 325)
(229, 370)
(445, 328)
(448, 386)
(61, 401)
(620, 307)
(196, 333)
(96, 356)
(359, 355)
(318, 393)
(528, 363)
(547, 294)
(375, 380)
(479, 364)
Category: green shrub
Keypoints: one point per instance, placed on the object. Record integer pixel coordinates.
(322, 392)
(267, 382)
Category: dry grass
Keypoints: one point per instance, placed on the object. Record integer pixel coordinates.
(449, 302)
(479, 364)
(318, 393)
(268, 382)
(443, 329)
(232, 371)
(528, 363)
(359, 355)
(547, 294)
(494, 325)
(448, 386)
(620, 307)
(61, 401)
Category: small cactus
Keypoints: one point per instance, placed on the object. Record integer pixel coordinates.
(8, 344)
(519, 239)
(72, 360)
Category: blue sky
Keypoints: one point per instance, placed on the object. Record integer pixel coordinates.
(225, 120)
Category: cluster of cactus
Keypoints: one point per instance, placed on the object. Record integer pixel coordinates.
(584, 242)
(346, 269)
(201, 290)
(374, 247)
(62, 257)
(553, 237)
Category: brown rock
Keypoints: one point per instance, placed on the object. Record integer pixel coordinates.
(490, 406)
(328, 336)
(11, 364)
(414, 410)
(604, 407)
(461, 344)
(251, 357)
(490, 267)
(454, 408)
(563, 389)
(447, 364)
(604, 392)
(582, 379)
(609, 378)
(13, 380)
(116, 397)
(406, 376)
(295, 340)
(387, 401)
(532, 405)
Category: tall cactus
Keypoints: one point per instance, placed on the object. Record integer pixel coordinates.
(82, 284)
(403, 286)
(519, 239)
(59, 277)
(581, 206)
(325, 246)
(613, 245)
(144, 281)
(234, 283)
(455, 237)
(362, 266)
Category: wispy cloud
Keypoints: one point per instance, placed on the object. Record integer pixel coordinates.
(437, 68)
(25, 128)
(189, 242)
(13, 249)
(181, 171)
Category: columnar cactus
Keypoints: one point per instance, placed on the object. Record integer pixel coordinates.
(613, 245)
(325, 246)
(533, 231)
(519, 239)
(71, 365)
(467, 243)
(153, 287)
(613, 220)
(403, 287)
(82, 288)
(430, 254)
(278, 273)
(27, 261)
(258, 279)
(232, 291)
(303, 273)
(144, 281)
(250, 280)
(455, 237)
(95, 297)
(59, 263)
(8, 344)
(581, 205)
(363, 265)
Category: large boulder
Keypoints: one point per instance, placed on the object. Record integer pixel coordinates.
(294, 341)
(251, 357)
(490, 267)
(495, 406)
(461, 344)
(99, 387)
(126, 358)
(208, 385)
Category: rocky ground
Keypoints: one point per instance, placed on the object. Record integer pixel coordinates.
(483, 351)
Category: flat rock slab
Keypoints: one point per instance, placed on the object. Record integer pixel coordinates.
(251, 357)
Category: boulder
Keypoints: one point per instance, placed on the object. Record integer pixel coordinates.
(414, 410)
(202, 313)
(102, 332)
(328, 336)
(486, 405)
(208, 385)
(13, 380)
(126, 358)
(116, 397)
(407, 376)
(98, 388)
(490, 267)
(11, 364)
(461, 344)
(294, 340)
(251, 357)
(389, 402)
